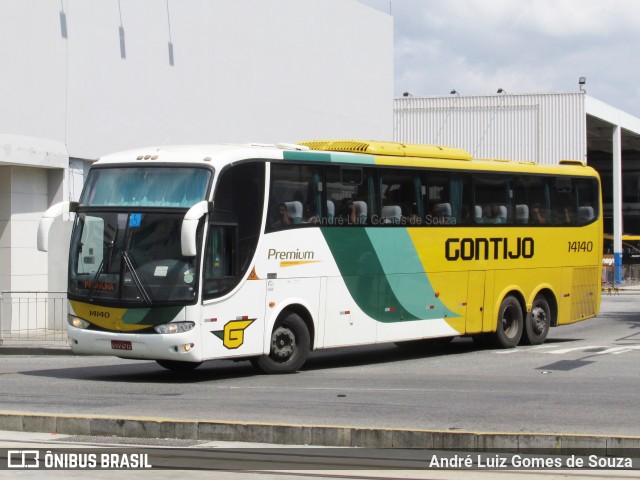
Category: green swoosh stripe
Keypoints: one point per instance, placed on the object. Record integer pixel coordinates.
(326, 157)
(384, 274)
(150, 316)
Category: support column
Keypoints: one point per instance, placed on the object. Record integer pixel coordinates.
(617, 204)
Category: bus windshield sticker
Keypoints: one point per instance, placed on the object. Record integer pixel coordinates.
(161, 271)
(135, 219)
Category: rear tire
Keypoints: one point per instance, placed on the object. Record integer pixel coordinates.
(290, 346)
(510, 323)
(537, 323)
(178, 366)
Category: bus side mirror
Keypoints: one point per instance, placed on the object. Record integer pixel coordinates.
(189, 229)
(47, 219)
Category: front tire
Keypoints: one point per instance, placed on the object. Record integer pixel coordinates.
(537, 324)
(510, 323)
(290, 346)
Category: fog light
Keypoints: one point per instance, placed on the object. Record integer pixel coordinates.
(77, 322)
(187, 347)
(177, 327)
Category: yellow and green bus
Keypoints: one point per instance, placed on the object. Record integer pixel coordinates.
(187, 254)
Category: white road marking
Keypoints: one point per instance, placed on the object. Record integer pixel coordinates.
(589, 349)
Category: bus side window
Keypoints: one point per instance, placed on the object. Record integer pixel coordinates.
(401, 197)
(238, 200)
(494, 193)
(448, 199)
(295, 197)
(349, 193)
(587, 200)
(563, 201)
(532, 194)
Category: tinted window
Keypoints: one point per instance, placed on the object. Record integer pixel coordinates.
(234, 228)
(295, 196)
(493, 199)
(174, 187)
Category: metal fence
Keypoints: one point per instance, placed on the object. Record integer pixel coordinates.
(630, 276)
(33, 316)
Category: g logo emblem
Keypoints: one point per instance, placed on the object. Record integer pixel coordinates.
(233, 334)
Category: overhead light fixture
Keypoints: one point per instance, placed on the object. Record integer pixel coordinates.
(581, 82)
(455, 92)
(500, 90)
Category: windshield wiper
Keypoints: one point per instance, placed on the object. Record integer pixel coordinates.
(94, 281)
(136, 279)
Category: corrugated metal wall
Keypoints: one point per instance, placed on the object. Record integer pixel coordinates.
(543, 128)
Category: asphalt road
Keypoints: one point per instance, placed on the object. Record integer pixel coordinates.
(584, 380)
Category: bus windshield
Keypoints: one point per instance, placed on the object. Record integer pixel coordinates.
(153, 186)
(132, 258)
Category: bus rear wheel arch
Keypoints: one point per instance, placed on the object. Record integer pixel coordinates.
(538, 321)
(289, 346)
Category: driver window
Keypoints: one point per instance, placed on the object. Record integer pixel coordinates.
(220, 261)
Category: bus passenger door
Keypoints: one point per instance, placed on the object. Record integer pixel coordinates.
(475, 301)
(233, 318)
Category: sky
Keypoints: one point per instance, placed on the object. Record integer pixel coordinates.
(521, 46)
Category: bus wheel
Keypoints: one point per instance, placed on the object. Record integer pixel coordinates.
(510, 323)
(536, 326)
(290, 346)
(178, 366)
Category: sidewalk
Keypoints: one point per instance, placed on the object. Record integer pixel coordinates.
(34, 347)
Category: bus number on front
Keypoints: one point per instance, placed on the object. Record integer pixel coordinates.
(580, 247)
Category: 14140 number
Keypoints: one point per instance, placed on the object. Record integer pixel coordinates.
(580, 246)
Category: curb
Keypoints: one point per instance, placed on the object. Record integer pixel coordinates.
(334, 436)
(34, 350)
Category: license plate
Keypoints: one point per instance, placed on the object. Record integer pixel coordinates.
(121, 345)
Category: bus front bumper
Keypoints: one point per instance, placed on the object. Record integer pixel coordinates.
(182, 347)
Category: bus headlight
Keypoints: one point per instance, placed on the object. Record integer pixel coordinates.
(77, 322)
(177, 327)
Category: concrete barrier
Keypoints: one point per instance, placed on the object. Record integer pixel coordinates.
(333, 436)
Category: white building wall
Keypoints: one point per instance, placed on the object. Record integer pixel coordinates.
(29, 199)
(84, 78)
(543, 128)
(31, 172)
(5, 227)
(106, 75)
(22, 200)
